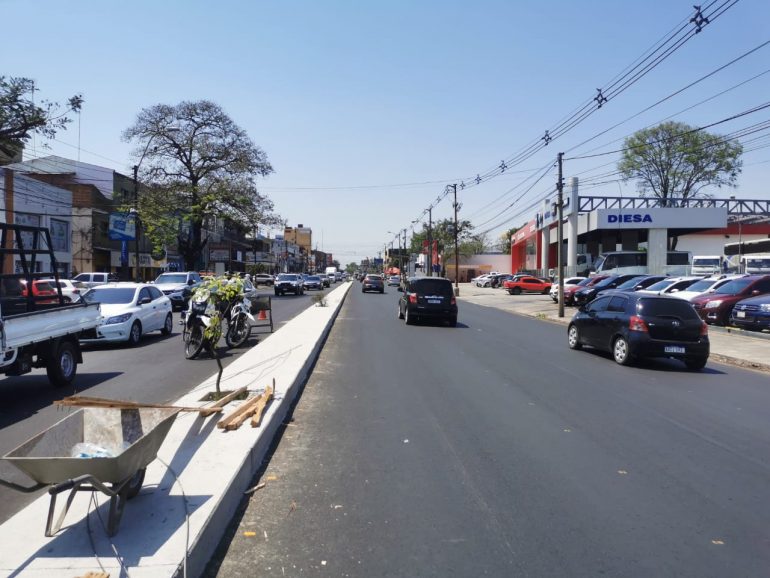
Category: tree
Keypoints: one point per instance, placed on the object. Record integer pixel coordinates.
(197, 164)
(504, 241)
(675, 161)
(443, 233)
(21, 117)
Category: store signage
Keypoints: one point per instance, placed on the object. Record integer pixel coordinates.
(659, 218)
(629, 218)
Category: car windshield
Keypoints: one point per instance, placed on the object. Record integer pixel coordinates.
(172, 278)
(631, 283)
(110, 295)
(375, 277)
(701, 262)
(286, 277)
(702, 285)
(313, 278)
(605, 282)
(668, 307)
(760, 263)
(431, 287)
(661, 285)
(733, 287)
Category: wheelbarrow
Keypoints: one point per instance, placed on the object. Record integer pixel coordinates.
(127, 441)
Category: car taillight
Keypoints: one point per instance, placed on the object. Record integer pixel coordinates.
(453, 301)
(704, 329)
(412, 297)
(636, 323)
(76, 291)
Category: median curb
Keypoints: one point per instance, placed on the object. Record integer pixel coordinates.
(192, 490)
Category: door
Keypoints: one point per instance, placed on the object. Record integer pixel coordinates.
(147, 311)
(591, 323)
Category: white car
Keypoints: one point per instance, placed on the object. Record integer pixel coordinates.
(71, 290)
(707, 285)
(554, 293)
(129, 310)
(671, 285)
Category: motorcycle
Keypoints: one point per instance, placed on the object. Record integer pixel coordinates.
(202, 324)
(239, 322)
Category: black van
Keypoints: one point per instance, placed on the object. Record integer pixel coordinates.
(427, 298)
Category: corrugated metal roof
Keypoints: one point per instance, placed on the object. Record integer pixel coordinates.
(101, 177)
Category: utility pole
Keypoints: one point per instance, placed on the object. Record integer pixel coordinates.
(136, 220)
(560, 232)
(457, 253)
(430, 242)
(407, 258)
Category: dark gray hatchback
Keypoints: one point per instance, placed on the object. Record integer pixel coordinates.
(427, 298)
(633, 326)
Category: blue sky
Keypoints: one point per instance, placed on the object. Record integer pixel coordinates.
(367, 110)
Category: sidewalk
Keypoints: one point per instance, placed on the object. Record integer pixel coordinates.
(728, 345)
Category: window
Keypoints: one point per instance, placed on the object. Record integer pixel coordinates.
(617, 304)
(155, 293)
(678, 258)
(532, 281)
(60, 235)
(667, 308)
(145, 294)
(598, 305)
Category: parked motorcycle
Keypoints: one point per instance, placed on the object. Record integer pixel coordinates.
(202, 324)
(239, 322)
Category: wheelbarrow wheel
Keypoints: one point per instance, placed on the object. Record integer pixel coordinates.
(133, 487)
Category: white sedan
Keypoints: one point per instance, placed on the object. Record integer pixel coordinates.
(71, 290)
(129, 310)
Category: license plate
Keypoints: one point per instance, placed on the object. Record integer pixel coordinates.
(740, 314)
(434, 301)
(673, 349)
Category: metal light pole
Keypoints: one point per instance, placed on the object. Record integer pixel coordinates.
(560, 233)
(457, 253)
(430, 242)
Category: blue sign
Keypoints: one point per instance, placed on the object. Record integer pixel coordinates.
(629, 218)
(124, 253)
(122, 227)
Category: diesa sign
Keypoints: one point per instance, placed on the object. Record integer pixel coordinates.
(630, 218)
(659, 218)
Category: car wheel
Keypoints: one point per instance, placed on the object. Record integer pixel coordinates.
(453, 321)
(168, 325)
(546, 291)
(515, 291)
(67, 300)
(573, 337)
(382, 290)
(398, 308)
(62, 365)
(408, 318)
(696, 364)
(621, 351)
(193, 342)
(135, 334)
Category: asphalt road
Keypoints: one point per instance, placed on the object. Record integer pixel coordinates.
(493, 450)
(155, 371)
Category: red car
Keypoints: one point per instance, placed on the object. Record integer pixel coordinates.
(41, 289)
(527, 285)
(716, 307)
(569, 292)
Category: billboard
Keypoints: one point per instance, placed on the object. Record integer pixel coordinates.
(122, 227)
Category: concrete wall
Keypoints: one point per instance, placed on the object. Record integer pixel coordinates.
(496, 261)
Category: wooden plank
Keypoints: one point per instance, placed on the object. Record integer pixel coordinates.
(244, 409)
(218, 405)
(264, 399)
(85, 401)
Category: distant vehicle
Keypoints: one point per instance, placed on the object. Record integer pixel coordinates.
(715, 307)
(636, 325)
(707, 264)
(94, 279)
(635, 283)
(288, 283)
(755, 264)
(373, 282)
(427, 298)
(313, 282)
(569, 292)
(588, 294)
(568, 282)
(527, 284)
(707, 285)
(635, 262)
(752, 313)
(394, 281)
(263, 279)
(42, 291)
(71, 290)
(671, 285)
(129, 310)
(177, 287)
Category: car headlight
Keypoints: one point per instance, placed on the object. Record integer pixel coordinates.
(118, 319)
(765, 307)
(713, 304)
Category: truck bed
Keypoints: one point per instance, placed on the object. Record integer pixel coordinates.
(36, 326)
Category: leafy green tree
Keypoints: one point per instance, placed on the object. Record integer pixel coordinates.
(443, 232)
(675, 161)
(197, 164)
(504, 241)
(21, 117)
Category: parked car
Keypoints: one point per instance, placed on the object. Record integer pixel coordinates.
(42, 292)
(427, 298)
(670, 285)
(707, 285)
(178, 287)
(568, 282)
(752, 313)
(288, 283)
(716, 307)
(394, 281)
(569, 292)
(262, 279)
(313, 282)
(587, 294)
(71, 290)
(633, 325)
(129, 310)
(94, 279)
(373, 282)
(491, 280)
(526, 284)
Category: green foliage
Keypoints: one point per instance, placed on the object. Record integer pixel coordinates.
(674, 160)
(220, 291)
(504, 242)
(319, 300)
(20, 116)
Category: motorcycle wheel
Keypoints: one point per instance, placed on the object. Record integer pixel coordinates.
(238, 331)
(193, 342)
